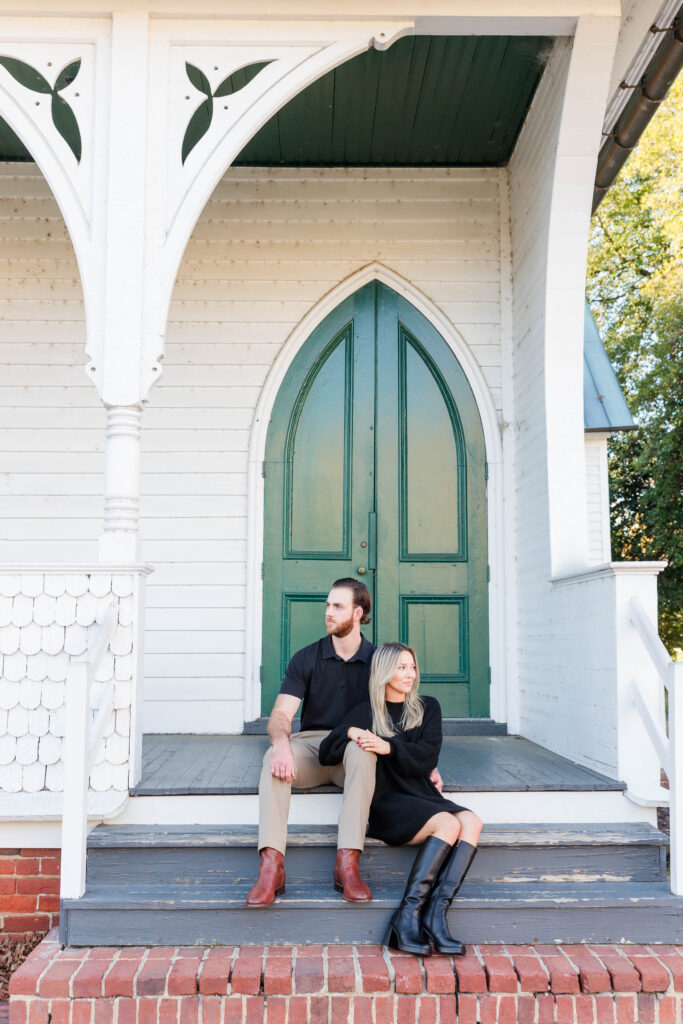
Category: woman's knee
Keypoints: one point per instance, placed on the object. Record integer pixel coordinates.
(471, 826)
(446, 826)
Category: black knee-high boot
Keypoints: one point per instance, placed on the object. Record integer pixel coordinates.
(405, 928)
(449, 881)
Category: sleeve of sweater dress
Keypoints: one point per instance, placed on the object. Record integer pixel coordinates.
(419, 754)
(333, 746)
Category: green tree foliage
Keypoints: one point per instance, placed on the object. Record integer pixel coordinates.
(635, 289)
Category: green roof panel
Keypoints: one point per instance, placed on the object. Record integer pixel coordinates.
(427, 101)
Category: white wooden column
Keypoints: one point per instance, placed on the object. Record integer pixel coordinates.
(124, 213)
(569, 221)
(119, 540)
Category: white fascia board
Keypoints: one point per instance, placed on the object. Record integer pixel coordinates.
(499, 10)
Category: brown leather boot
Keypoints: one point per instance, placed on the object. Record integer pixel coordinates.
(347, 878)
(271, 879)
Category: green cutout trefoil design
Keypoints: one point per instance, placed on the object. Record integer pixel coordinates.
(200, 122)
(63, 116)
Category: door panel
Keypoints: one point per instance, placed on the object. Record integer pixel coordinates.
(431, 524)
(375, 460)
(318, 472)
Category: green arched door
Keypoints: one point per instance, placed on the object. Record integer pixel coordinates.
(375, 461)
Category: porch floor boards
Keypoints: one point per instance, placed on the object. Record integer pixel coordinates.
(185, 764)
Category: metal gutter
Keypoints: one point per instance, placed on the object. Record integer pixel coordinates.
(631, 123)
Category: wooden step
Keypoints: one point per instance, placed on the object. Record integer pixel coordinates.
(308, 913)
(529, 883)
(184, 764)
(451, 727)
(201, 854)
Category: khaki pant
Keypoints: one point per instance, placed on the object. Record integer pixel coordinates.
(356, 775)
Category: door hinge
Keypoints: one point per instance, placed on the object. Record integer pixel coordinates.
(489, 674)
(260, 673)
(488, 573)
(263, 469)
(263, 570)
(486, 471)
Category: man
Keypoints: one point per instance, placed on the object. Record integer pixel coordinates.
(330, 677)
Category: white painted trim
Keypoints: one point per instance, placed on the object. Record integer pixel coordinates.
(66, 568)
(17, 808)
(255, 486)
(563, 807)
(507, 630)
(609, 569)
(495, 808)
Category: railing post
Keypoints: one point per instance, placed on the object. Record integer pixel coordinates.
(76, 777)
(675, 688)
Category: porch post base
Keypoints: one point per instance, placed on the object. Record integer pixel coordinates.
(119, 547)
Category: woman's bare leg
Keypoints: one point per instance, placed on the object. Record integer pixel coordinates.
(444, 826)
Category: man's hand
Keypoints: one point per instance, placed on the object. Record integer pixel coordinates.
(282, 762)
(435, 777)
(367, 740)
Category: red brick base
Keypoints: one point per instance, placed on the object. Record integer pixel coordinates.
(29, 892)
(349, 985)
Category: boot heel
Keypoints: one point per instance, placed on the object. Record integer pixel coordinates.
(339, 887)
(280, 891)
(451, 948)
(390, 938)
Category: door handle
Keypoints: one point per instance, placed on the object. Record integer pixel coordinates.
(362, 571)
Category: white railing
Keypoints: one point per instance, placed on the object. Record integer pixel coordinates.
(82, 739)
(669, 747)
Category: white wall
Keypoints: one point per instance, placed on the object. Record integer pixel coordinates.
(531, 183)
(597, 494)
(269, 245)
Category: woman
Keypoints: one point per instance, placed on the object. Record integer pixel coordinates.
(404, 731)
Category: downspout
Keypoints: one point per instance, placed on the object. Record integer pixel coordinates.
(634, 118)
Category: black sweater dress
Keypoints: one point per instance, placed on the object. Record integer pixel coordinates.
(404, 798)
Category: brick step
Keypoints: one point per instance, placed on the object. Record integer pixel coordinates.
(531, 853)
(520, 913)
(348, 985)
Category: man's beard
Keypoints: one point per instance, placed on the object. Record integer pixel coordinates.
(343, 629)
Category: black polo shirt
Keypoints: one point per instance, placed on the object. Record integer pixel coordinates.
(328, 686)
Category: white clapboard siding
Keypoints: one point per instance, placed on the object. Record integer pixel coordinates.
(597, 496)
(269, 245)
(531, 173)
(51, 420)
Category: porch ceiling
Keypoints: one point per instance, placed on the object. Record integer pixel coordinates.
(428, 101)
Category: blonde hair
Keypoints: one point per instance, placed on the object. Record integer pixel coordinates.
(384, 665)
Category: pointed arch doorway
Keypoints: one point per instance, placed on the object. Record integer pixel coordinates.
(375, 467)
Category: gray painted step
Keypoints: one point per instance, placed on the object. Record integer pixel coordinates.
(181, 765)
(201, 915)
(205, 855)
(451, 727)
(529, 883)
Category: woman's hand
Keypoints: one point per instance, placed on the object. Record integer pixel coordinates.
(367, 740)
